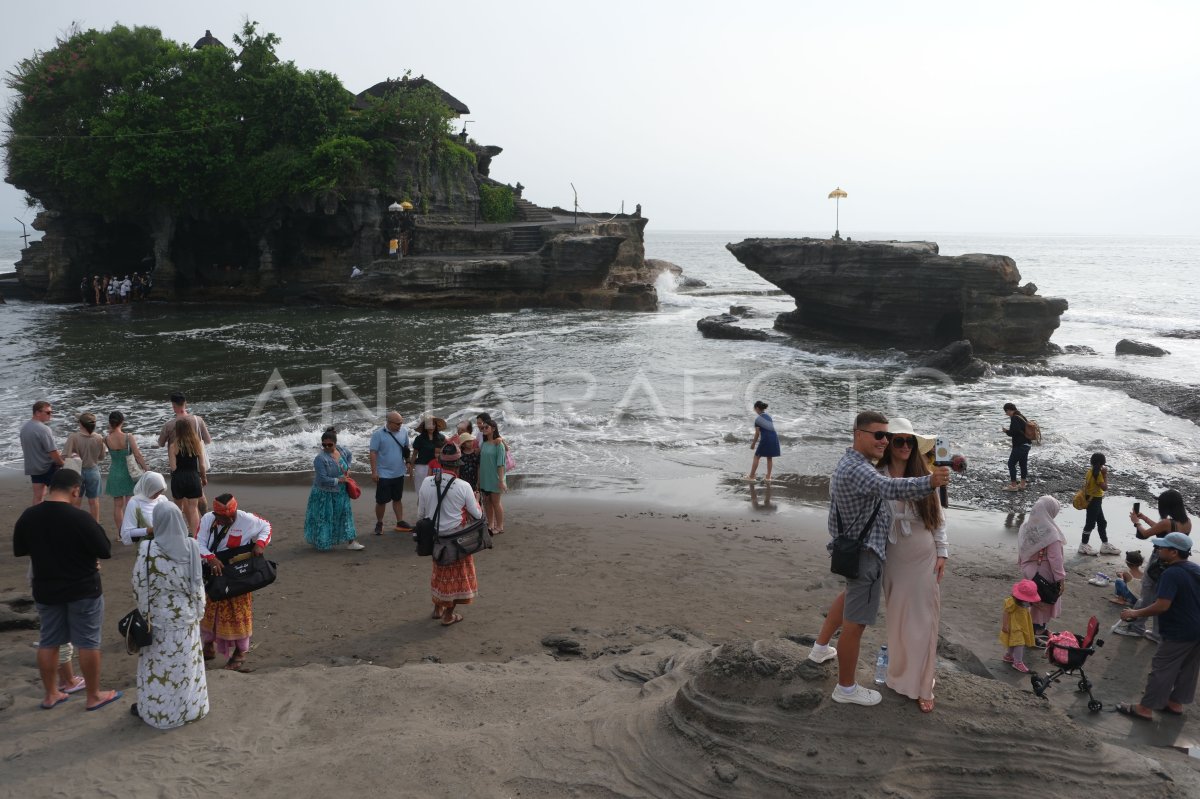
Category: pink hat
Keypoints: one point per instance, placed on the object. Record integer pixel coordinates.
(1026, 591)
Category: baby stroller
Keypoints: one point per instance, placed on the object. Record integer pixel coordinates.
(1070, 659)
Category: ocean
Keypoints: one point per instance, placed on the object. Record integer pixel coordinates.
(624, 400)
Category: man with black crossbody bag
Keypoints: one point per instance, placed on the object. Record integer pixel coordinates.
(860, 515)
(389, 466)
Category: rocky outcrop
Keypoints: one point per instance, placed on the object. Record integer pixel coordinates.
(1128, 346)
(722, 326)
(957, 360)
(904, 294)
(305, 254)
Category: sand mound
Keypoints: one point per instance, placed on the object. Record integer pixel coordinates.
(667, 718)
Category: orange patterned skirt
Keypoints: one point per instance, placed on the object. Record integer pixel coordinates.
(229, 619)
(454, 584)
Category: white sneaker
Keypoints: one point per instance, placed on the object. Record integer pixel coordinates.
(860, 696)
(354, 546)
(1100, 579)
(820, 654)
(1108, 549)
(1084, 549)
(1121, 628)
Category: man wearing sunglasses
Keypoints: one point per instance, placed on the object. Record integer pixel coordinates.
(858, 496)
(1176, 664)
(42, 458)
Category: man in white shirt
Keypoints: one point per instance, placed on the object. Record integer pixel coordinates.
(454, 584)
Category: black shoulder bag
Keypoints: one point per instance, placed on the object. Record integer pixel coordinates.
(133, 626)
(404, 451)
(426, 530)
(844, 554)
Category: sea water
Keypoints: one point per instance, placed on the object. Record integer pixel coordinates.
(616, 399)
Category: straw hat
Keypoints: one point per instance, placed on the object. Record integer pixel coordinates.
(438, 422)
(1026, 591)
(901, 426)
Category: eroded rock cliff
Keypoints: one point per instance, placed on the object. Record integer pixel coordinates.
(904, 294)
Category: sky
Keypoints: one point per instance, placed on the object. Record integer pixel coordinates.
(1075, 118)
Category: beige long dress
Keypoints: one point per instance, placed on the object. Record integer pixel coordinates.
(913, 602)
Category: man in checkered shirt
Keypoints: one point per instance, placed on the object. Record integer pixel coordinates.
(855, 490)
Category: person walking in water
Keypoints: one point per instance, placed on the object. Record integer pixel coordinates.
(1019, 456)
(766, 441)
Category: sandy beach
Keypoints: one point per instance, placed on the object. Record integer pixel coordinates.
(679, 670)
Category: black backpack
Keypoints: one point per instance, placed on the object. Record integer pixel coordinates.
(426, 529)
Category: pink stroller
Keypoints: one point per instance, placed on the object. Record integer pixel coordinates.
(1070, 659)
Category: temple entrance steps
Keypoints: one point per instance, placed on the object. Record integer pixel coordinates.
(528, 212)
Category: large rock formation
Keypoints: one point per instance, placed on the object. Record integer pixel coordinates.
(904, 294)
(304, 253)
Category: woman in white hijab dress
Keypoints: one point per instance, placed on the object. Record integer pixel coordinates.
(167, 581)
(1040, 551)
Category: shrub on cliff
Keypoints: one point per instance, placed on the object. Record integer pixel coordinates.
(124, 120)
(496, 203)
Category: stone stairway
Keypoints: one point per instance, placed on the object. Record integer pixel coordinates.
(526, 239)
(528, 212)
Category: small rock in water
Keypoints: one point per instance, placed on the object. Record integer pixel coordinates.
(1128, 346)
(726, 773)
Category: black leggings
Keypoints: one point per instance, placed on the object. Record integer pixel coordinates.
(1019, 455)
(1095, 519)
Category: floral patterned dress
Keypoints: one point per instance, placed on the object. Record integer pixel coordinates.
(171, 683)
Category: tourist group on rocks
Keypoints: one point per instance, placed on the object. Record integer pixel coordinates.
(186, 549)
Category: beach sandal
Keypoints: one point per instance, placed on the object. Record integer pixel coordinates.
(1127, 710)
(54, 704)
(926, 705)
(235, 661)
(454, 619)
(437, 613)
(1170, 711)
(74, 687)
(116, 695)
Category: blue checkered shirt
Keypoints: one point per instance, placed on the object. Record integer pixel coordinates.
(855, 488)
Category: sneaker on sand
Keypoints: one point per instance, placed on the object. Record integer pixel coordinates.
(1121, 628)
(354, 546)
(1108, 549)
(860, 696)
(403, 527)
(378, 528)
(1100, 579)
(821, 654)
(1084, 549)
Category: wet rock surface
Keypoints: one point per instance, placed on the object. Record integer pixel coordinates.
(1130, 347)
(866, 291)
(957, 360)
(724, 326)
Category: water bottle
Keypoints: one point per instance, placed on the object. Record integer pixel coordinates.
(881, 664)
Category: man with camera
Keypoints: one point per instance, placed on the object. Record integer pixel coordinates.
(859, 508)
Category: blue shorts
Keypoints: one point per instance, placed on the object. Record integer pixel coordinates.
(75, 623)
(91, 482)
(45, 477)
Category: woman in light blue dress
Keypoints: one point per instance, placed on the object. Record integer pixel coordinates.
(329, 520)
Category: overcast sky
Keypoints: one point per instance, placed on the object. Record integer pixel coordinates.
(1018, 117)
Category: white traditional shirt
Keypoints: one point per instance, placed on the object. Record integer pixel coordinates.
(246, 528)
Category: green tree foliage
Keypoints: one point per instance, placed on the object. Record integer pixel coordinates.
(124, 120)
(496, 203)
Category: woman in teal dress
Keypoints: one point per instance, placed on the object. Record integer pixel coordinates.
(120, 446)
(491, 473)
(329, 520)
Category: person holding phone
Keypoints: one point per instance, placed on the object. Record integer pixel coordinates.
(1173, 518)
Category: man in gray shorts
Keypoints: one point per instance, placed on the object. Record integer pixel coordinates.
(858, 496)
(42, 458)
(64, 543)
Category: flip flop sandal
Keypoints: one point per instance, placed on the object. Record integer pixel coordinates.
(1127, 710)
(235, 661)
(74, 687)
(1171, 712)
(454, 619)
(926, 705)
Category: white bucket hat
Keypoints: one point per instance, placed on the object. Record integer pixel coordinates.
(901, 426)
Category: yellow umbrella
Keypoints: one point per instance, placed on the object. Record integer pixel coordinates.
(836, 195)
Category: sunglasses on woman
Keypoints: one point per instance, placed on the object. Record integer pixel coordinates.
(903, 441)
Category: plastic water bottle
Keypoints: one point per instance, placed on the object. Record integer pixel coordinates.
(881, 664)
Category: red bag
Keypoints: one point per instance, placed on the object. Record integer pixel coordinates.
(352, 489)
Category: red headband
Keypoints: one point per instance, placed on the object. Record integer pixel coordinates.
(227, 509)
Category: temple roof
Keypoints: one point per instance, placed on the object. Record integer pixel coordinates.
(208, 41)
(384, 88)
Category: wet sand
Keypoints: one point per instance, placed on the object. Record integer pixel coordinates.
(677, 670)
